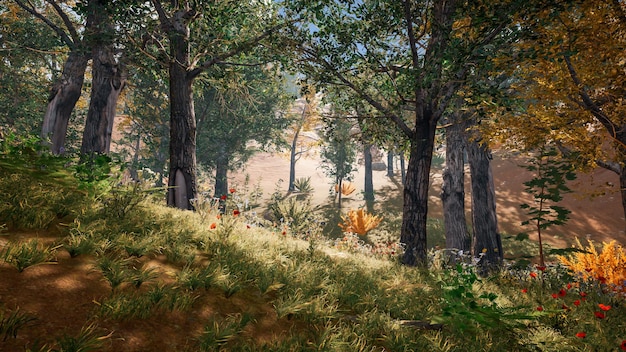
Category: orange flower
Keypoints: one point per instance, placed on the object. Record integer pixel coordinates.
(213, 226)
(236, 212)
(232, 190)
(581, 335)
(604, 307)
(533, 274)
(524, 290)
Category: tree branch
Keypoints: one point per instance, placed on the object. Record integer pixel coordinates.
(64, 37)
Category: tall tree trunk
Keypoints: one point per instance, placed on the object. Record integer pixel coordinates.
(415, 209)
(292, 162)
(182, 172)
(63, 97)
(402, 168)
(369, 180)
(453, 189)
(107, 84)
(390, 164)
(487, 241)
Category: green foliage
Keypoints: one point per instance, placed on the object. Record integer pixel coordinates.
(297, 214)
(339, 150)
(548, 186)
(12, 321)
(219, 331)
(303, 185)
(87, 340)
(24, 255)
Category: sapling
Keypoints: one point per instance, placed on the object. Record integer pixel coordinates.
(548, 186)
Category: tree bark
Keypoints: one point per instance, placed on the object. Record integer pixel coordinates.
(221, 175)
(292, 162)
(402, 168)
(390, 172)
(63, 97)
(107, 84)
(415, 209)
(368, 191)
(453, 189)
(486, 240)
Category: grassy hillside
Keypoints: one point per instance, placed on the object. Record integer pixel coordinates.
(88, 265)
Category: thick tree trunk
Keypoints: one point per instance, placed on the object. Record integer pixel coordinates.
(63, 97)
(107, 84)
(368, 191)
(487, 241)
(415, 209)
(182, 171)
(402, 168)
(453, 190)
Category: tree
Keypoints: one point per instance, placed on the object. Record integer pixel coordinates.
(30, 57)
(200, 36)
(569, 80)
(415, 56)
(66, 90)
(338, 152)
(230, 119)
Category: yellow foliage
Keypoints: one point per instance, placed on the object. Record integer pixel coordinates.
(359, 222)
(347, 188)
(608, 266)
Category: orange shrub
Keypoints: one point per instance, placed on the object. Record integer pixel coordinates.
(608, 266)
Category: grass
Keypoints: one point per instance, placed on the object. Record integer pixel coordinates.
(253, 288)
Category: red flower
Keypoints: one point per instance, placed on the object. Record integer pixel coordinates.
(524, 290)
(223, 197)
(540, 308)
(533, 274)
(604, 307)
(569, 286)
(236, 212)
(541, 267)
(583, 294)
(554, 295)
(562, 293)
(581, 334)
(623, 345)
(284, 233)
(577, 302)
(232, 190)
(213, 226)
(247, 226)
(599, 315)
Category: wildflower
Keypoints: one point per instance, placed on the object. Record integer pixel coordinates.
(581, 334)
(583, 294)
(540, 308)
(577, 302)
(623, 345)
(604, 307)
(541, 267)
(524, 290)
(569, 286)
(247, 226)
(223, 197)
(599, 315)
(562, 293)
(284, 233)
(554, 295)
(236, 212)
(232, 190)
(533, 274)
(213, 226)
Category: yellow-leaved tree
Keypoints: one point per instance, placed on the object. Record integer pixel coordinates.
(568, 75)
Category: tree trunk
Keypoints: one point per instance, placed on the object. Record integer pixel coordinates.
(415, 209)
(487, 241)
(182, 171)
(368, 192)
(107, 84)
(63, 97)
(292, 162)
(453, 190)
(221, 175)
(390, 164)
(402, 168)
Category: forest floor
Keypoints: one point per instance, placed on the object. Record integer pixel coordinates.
(63, 295)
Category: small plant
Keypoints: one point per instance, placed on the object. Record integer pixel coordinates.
(140, 276)
(218, 332)
(295, 213)
(11, 322)
(347, 188)
(607, 267)
(359, 222)
(78, 243)
(303, 185)
(114, 270)
(27, 254)
(87, 340)
(548, 186)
